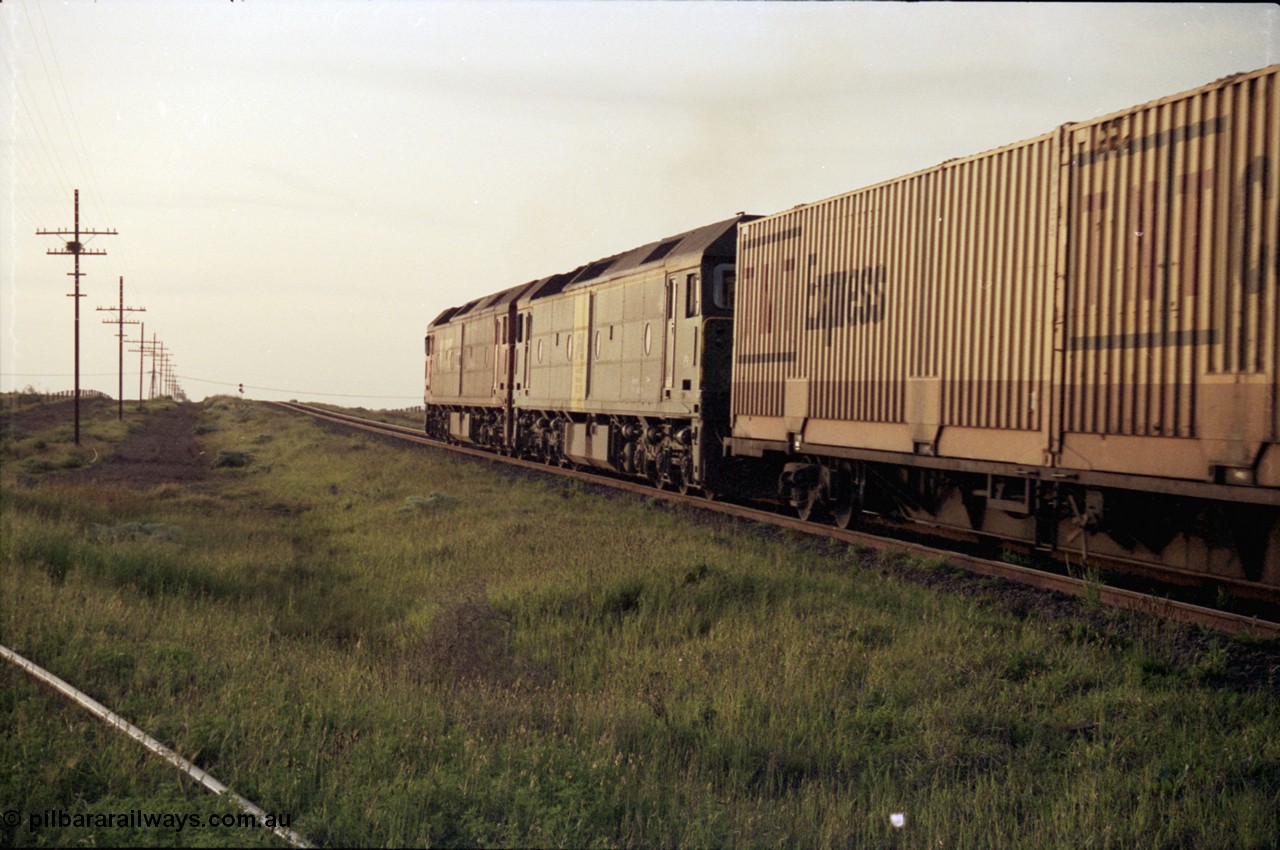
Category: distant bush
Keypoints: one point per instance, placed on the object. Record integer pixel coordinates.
(232, 459)
(468, 641)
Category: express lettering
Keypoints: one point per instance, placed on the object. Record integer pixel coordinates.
(843, 298)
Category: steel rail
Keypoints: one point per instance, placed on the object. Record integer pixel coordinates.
(1129, 600)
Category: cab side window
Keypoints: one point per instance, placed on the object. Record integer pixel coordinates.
(722, 287)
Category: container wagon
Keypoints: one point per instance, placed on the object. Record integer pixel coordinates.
(1069, 341)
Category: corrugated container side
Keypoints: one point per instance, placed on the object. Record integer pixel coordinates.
(1171, 276)
(996, 218)
(944, 274)
(758, 371)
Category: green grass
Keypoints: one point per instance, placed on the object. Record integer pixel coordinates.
(397, 647)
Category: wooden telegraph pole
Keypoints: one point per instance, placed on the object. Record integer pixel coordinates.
(141, 350)
(75, 247)
(157, 368)
(120, 320)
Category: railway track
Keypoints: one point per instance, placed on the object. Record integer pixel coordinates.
(1113, 596)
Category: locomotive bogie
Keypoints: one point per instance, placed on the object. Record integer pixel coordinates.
(467, 425)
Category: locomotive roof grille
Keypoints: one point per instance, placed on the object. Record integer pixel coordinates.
(661, 251)
(555, 284)
(594, 270)
(674, 249)
(443, 318)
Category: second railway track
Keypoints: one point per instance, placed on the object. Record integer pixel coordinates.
(1117, 597)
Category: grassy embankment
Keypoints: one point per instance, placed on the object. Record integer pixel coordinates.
(397, 647)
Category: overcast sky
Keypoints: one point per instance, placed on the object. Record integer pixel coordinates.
(300, 187)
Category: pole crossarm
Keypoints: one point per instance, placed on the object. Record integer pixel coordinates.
(121, 321)
(75, 246)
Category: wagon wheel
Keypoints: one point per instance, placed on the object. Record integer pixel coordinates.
(850, 489)
(809, 508)
(1081, 520)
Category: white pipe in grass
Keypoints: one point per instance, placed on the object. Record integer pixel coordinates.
(112, 719)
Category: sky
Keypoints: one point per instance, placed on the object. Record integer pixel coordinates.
(297, 189)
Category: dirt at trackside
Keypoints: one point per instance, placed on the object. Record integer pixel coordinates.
(162, 449)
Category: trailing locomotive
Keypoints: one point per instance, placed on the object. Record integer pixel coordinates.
(1070, 341)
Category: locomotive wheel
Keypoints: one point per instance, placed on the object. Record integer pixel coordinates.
(686, 476)
(658, 472)
(657, 479)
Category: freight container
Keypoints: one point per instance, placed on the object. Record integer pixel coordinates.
(913, 316)
(1102, 298)
(1171, 231)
